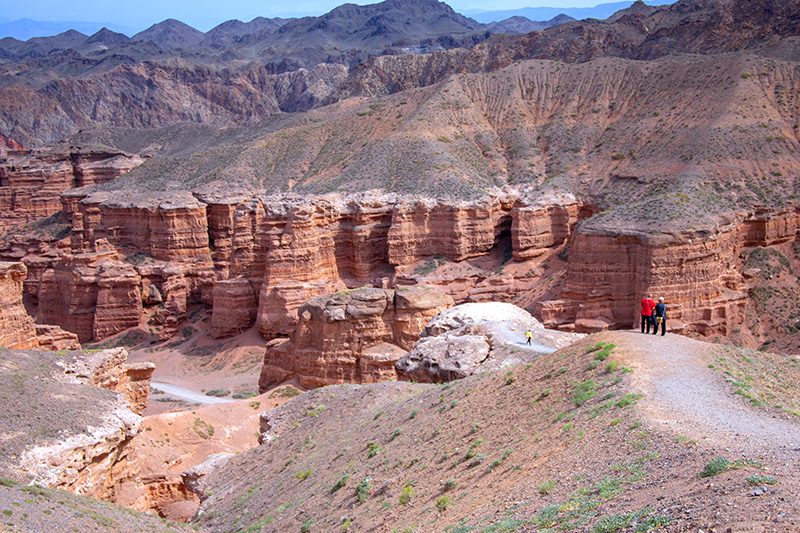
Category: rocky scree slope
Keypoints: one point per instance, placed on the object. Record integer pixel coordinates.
(51, 104)
(559, 442)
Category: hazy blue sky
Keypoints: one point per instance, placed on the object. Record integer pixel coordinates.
(204, 14)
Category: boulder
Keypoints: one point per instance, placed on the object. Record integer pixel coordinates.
(477, 337)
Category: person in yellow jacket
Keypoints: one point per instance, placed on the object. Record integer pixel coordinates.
(528, 337)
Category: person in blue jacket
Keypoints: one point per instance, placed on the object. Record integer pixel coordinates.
(661, 316)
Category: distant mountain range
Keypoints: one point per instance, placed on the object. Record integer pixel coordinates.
(346, 35)
(24, 29)
(537, 18)
(600, 11)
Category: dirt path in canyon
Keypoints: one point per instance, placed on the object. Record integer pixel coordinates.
(186, 394)
(683, 395)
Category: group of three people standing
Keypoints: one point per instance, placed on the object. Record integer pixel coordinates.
(654, 314)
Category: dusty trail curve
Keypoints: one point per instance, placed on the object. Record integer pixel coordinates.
(186, 394)
(683, 395)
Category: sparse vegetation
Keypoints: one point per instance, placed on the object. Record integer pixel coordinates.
(362, 492)
(757, 479)
(497, 462)
(583, 392)
(316, 411)
(203, 429)
(628, 400)
(716, 466)
(340, 483)
(406, 494)
(284, 392)
(373, 449)
(546, 487)
(303, 474)
(442, 503)
(218, 393)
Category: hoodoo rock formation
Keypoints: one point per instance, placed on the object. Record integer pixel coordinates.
(354, 336)
(17, 330)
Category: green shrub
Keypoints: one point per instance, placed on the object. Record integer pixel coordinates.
(546, 487)
(583, 392)
(450, 484)
(472, 451)
(628, 399)
(442, 503)
(414, 414)
(406, 494)
(364, 487)
(306, 527)
(757, 479)
(497, 462)
(396, 433)
(303, 475)
(716, 466)
(219, 393)
(341, 482)
(373, 449)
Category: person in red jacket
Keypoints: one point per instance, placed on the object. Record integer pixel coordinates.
(648, 305)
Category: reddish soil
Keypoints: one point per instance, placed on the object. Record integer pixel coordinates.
(514, 451)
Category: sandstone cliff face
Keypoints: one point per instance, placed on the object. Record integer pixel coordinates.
(17, 330)
(31, 182)
(257, 260)
(700, 277)
(352, 336)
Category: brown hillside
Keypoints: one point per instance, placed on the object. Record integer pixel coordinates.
(48, 97)
(566, 441)
(688, 138)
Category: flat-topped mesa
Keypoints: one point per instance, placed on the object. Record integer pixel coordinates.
(32, 181)
(17, 329)
(353, 336)
(166, 226)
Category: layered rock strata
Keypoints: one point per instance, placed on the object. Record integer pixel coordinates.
(352, 336)
(261, 258)
(700, 276)
(289, 249)
(31, 182)
(17, 329)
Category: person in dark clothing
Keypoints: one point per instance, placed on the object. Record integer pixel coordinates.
(648, 305)
(661, 316)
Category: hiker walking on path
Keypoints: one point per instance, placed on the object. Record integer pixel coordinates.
(648, 305)
(528, 336)
(661, 317)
